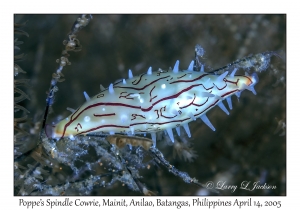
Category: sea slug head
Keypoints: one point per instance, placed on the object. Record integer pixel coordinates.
(254, 78)
(248, 81)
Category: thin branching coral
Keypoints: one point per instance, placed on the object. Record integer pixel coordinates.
(20, 95)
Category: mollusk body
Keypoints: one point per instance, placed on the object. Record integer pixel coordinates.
(154, 101)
